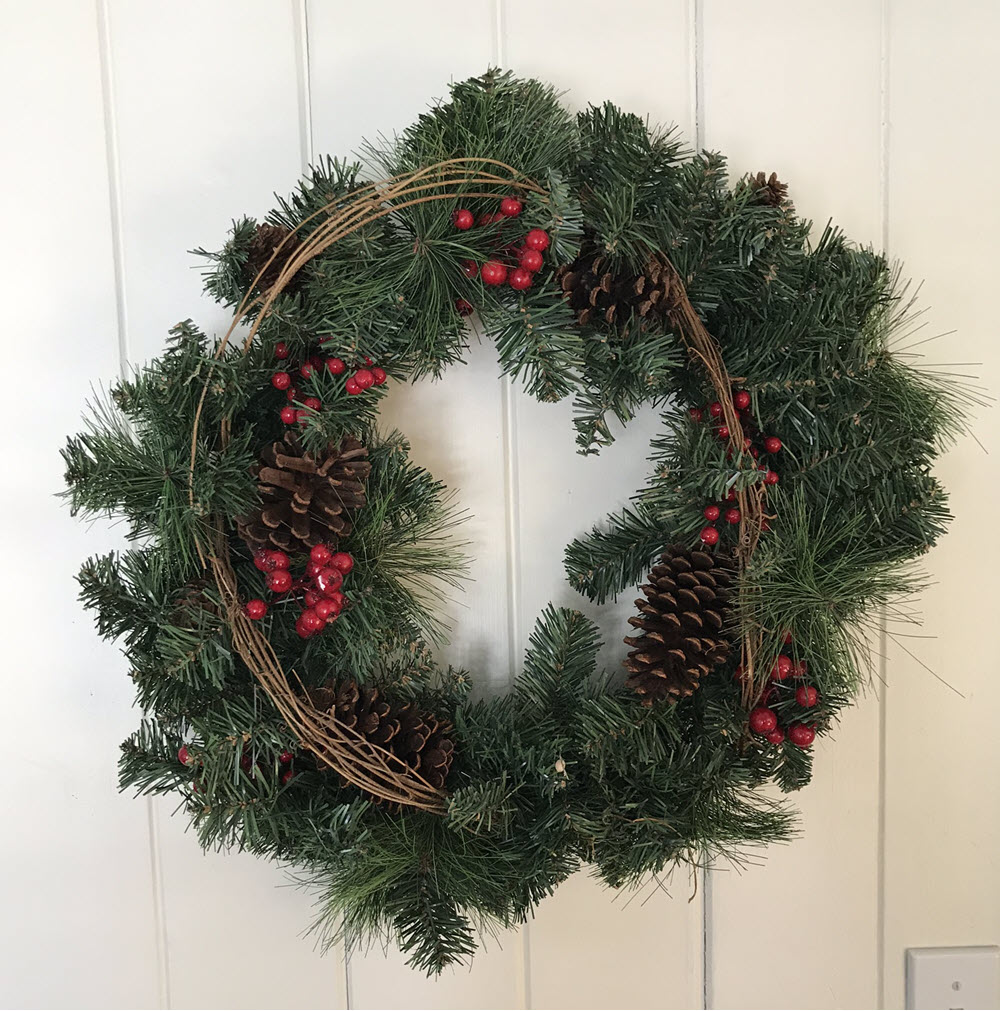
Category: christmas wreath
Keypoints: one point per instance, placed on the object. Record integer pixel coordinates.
(277, 602)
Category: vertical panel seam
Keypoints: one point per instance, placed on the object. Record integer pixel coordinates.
(512, 492)
(883, 665)
(113, 168)
(696, 19)
(696, 63)
(300, 13)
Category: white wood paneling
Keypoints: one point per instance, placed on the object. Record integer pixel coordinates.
(809, 109)
(455, 425)
(206, 104)
(585, 936)
(942, 879)
(78, 926)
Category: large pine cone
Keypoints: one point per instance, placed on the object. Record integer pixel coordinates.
(304, 498)
(597, 292)
(767, 189)
(265, 241)
(420, 740)
(684, 624)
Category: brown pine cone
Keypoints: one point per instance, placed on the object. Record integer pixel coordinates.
(767, 189)
(683, 618)
(420, 740)
(265, 240)
(597, 292)
(305, 499)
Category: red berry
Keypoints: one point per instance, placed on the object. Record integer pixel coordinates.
(470, 268)
(763, 720)
(462, 307)
(801, 669)
(338, 599)
(765, 525)
(715, 409)
(770, 477)
(329, 580)
(531, 259)
(246, 763)
(335, 366)
(519, 279)
(772, 444)
(711, 513)
(327, 608)
(285, 757)
(742, 400)
(287, 776)
(787, 638)
(184, 757)
(782, 668)
(709, 535)
(510, 207)
(800, 735)
(281, 350)
(313, 569)
(722, 431)
(289, 415)
(312, 598)
(731, 495)
(313, 403)
(320, 554)
(493, 272)
(281, 380)
(351, 385)
(306, 370)
(292, 393)
(695, 413)
(490, 219)
(279, 581)
(260, 561)
(776, 736)
(364, 378)
(463, 219)
(537, 239)
(302, 630)
(278, 560)
(732, 515)
(806, 696)
(342, 561)
(311, 620)
(380, 376)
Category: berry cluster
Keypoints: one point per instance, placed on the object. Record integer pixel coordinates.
(514, 264)
(754, 443)
(322, 597)
(285, 759)
(764, 720)
(362, 378)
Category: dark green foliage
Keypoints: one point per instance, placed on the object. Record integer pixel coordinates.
(567, 769)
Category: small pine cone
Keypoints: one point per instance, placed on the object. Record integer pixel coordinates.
(305, 499)
(420, 740)
(265, 240)
(768, 190)
(683, 620)
(597, 292)
(193, 606)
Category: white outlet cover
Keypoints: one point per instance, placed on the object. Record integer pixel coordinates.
(953, 978)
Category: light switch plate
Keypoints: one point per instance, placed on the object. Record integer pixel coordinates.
(953, 977)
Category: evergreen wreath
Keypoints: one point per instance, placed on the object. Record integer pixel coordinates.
(277, 602)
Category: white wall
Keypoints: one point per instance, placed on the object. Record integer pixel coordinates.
(136, 130)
